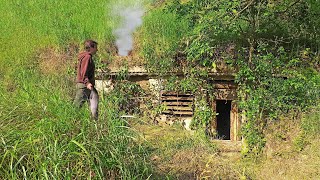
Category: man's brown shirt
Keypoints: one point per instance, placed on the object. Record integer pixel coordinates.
(85, 70)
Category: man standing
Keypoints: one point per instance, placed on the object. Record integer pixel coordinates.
(86, 79)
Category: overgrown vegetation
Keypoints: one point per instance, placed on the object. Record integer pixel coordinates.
(125, 96)
(162, 34)
(42, 135)
(273, 46)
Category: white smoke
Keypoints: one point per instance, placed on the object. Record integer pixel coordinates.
(130, 18)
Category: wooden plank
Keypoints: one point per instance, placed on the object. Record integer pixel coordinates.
(225, 94)
(235, 122)
(214, 117)
(233, 130)
(174, 93)
(225, 85)
(178, 112)
(179, 108)
(173, 98)
(176, 103)
(101, 75)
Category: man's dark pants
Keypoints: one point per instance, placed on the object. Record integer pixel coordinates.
(83, 94)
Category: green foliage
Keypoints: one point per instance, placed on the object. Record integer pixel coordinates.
(280, 78)
(301, 141)
(125, 96)
(311, 121)
(42, 136)
(30, 26)
(211, 27)
(193, 81)
(274, 45)
(310, 128)
(161, 35)
(254, 139)
(202, 115)
(45, 136)
(219, 26)
(182, 85)
(293, 90)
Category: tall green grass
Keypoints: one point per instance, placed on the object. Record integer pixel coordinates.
(42, 136)
(161, 34)
(311, 121)
(28, 26)
(53, 140)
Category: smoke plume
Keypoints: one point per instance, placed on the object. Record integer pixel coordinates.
(130, 18)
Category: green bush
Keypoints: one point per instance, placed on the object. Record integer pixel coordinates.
(202, 115)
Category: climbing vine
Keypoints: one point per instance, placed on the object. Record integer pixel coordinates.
(272, 45)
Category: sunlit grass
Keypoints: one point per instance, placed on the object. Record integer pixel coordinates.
(162, 32)
(44, 136)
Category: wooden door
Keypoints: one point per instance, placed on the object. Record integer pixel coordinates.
(234, 122)
(214, 118)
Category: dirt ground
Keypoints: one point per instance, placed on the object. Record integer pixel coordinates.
(176, 153)
(180, 154)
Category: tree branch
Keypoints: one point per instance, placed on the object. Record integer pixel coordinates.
(290, 6)
(246, 7)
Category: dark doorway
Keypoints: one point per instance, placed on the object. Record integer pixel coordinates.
(223, 109)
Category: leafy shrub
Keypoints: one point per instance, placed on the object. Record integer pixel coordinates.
(202, 115)
(125, 96)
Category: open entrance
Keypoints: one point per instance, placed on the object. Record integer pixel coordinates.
(223, 108)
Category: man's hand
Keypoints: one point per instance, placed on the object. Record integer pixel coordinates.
(89, 86)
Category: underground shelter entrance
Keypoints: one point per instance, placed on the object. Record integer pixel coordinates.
(223, 109)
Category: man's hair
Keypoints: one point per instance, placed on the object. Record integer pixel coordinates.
(89, 44)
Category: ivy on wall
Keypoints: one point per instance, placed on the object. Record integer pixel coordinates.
(273, 45)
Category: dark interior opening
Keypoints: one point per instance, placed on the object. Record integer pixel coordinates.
(223, 109)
